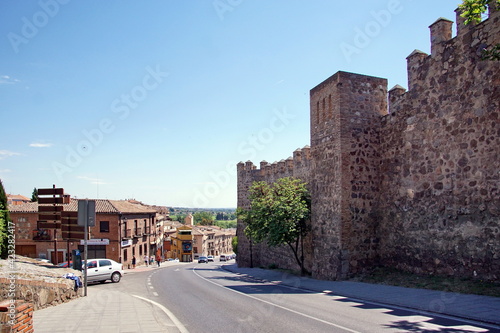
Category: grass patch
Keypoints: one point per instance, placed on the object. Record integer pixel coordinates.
(394, 277)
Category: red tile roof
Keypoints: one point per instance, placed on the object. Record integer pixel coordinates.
(103, 206)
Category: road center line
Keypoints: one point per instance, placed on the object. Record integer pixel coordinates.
(276, 305)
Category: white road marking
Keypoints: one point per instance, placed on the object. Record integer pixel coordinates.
(168, 313)
(276, 305)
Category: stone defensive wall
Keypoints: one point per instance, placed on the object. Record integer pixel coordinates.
(440, 167)
(405, 179)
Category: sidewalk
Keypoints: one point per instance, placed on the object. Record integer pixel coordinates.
(473, 307)
(105, 311)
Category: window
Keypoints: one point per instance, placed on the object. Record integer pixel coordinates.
(317, 112)
(104, 226)
(104, 263)
(330, 110)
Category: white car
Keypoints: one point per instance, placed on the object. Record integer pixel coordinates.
(104, 269)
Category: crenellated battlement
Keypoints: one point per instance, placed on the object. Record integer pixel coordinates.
(402, 178)
(283, 168)
(450, 57)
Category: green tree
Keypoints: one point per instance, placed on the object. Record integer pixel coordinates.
(472, 11)
(203, 218)
(278, 215)
(34, 195)
(4, 222)
(234, 243)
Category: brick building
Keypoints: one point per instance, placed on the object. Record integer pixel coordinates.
(406, 179)
(122, 230)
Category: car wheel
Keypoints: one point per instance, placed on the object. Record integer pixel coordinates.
(115, 277)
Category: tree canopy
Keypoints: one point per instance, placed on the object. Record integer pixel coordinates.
(4, 223)
(279, 214)
(203, 218)
(472, 11)
(34, 195)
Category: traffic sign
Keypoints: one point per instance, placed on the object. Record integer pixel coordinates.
(72, 228)
(50, 209)
(73, 235)
(49, 217)
(50, 191)
(52, 201)
(86, 213)
(48, 225)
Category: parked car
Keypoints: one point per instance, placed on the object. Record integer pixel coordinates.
(210, 258)
(173, 260)
(203, 259)
(104, 269)
(66, 264)
(222, 257)
(43, 260)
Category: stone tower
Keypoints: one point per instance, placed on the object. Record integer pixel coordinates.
(345, 109)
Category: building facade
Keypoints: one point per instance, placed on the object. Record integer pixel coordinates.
(122, 230)
(405, 179)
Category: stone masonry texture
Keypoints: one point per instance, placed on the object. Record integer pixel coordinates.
(404, 179)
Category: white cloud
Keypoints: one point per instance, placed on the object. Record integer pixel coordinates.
(5, 79)
(5, 170)
(92, 180)
(40, 145)
(7, 153)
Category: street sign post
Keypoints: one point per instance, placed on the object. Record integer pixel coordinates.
(49, 216)
(86, 218)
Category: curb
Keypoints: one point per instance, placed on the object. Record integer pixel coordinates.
(483, 322)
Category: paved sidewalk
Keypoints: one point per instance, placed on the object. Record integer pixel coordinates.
(480, 308)
(105, 311)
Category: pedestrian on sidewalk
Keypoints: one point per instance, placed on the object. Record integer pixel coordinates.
(133, 262)
(146, 260)
(151, 260)
(158, 260)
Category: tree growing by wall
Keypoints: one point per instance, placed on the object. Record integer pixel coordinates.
(4, 222)
(472, 11)
(278, 215)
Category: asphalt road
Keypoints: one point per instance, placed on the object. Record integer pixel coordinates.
(205, 298)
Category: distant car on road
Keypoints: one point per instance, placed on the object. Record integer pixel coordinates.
(173, 260)
(203, 259)
(210, 258)
(100, 270)
(223, 257)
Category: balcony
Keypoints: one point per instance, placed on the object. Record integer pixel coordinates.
(127, 233)
(138, 232)
(41, 235)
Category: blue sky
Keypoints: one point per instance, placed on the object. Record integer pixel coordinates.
(158, 100)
